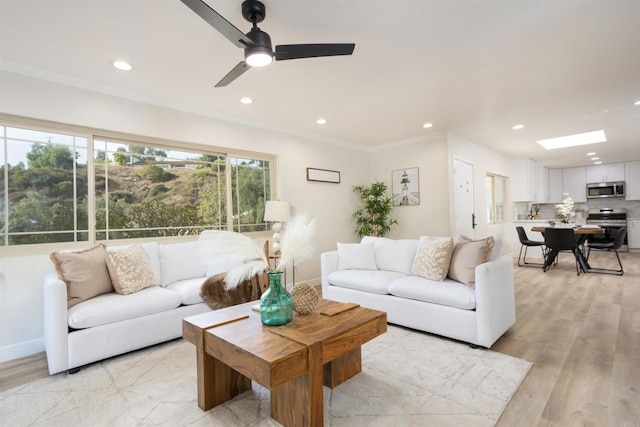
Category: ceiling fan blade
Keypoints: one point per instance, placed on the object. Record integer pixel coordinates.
(236, 72)
(295, 51)
(216, 20)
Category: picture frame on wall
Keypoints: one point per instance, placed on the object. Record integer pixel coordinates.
(323, 175)
(405, 187)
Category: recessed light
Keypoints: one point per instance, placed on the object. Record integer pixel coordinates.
(595, 158)
(597, 163)
(321, 121)
(593, 153)
(122, 65)
(573, 140)
(427, 125)
(246, 100)
(636, 103)
(517, 127)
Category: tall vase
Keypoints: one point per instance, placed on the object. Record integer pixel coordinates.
(276, 304)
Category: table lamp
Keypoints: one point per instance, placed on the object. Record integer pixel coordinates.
(277, 212)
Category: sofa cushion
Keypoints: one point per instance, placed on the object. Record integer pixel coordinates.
(152, 250)
(112, 307)
(223, 263)
(84, 272)
(467, 255)
(189, 290)
(374, 281)
(179, 261)
(356, 256)
(433, 257)
(394, 255)
(448, 292)
(130, 270)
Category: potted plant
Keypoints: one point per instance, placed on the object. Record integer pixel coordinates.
(373, 218)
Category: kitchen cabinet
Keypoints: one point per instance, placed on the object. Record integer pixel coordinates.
(555, 187)
(524, 181)
(574, 183)
(633, 233)
(605, 173)
(632, 179)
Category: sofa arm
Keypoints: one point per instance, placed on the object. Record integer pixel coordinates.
(56, 328)
(328, 264)
(495, 299)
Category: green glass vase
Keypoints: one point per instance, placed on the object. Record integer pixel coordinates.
(276, 304)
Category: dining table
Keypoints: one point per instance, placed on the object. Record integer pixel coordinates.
(583, 233)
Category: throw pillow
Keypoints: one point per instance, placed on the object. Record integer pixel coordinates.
(433, 257)
(130, 270)
(84, 272)
(467, 255)
(356, 256)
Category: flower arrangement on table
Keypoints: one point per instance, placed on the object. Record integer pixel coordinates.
(565, 209)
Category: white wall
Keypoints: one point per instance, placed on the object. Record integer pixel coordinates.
(431, 216)
(21, 276)
(484, 161)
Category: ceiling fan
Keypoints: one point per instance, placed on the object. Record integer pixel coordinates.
(256, 43)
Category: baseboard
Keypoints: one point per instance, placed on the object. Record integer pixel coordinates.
(25, 348)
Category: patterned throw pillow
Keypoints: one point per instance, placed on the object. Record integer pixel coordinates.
(130, 270)
(84, 272)
(433, 258)
(467, 255)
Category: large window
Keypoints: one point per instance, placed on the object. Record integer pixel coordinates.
(64, 187)
(496, 198)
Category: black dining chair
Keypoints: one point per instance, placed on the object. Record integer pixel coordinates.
(609, 246)
(560, 239)
(525, 243)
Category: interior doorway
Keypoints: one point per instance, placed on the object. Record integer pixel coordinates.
(464, 216)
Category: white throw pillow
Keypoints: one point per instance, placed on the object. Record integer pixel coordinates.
(180, 261)
(356, 256)
(392, 254)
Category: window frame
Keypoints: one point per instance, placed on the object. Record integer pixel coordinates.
(492, 207)
(92, 134)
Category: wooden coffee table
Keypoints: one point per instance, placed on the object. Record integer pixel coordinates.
(294, 361)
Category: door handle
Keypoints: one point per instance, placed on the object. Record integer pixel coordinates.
(473, 221)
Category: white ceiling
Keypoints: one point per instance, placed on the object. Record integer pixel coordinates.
(474, 68)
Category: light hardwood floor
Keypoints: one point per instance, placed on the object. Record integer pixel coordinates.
(581, 332)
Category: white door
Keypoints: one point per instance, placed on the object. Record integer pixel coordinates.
(463, 199)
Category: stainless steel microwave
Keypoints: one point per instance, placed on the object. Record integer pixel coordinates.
(605, 189)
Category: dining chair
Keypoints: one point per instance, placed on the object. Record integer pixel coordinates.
(526, 243)
(609, 246)
(560, 239)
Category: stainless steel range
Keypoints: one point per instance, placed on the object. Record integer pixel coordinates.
(611, 219)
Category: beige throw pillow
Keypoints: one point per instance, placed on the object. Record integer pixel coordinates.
(130, 270)
(467, 255)
(84, 272)
(433, 257)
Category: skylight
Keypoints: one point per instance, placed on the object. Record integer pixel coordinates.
(573, 140)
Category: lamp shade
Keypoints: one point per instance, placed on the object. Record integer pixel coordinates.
(277, 211)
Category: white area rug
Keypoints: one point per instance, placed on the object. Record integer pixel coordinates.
(408, 379)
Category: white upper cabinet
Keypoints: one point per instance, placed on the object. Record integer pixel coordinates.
(555, 186)
(632, 178)
(524, 181)
(605, 173)
(574, 183)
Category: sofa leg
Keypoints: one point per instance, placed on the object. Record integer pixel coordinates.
(73, 371)
(476, 347)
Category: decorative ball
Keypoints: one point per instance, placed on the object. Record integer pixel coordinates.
(305, 298)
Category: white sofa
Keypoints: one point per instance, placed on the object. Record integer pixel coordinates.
(111, 324)
(477, 314)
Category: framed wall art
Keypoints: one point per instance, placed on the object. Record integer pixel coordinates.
(405, 187)
(323, 175)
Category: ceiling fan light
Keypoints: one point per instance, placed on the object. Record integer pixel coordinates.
(259, 59)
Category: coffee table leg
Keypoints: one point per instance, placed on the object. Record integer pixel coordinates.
(299, 402)
(343, 367)
(217, 382)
